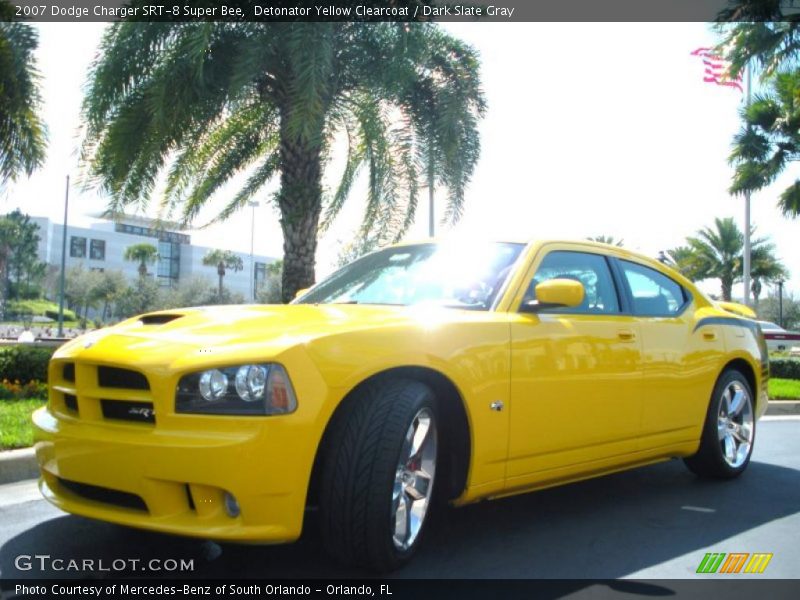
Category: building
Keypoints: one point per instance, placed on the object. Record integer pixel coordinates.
(102, 245)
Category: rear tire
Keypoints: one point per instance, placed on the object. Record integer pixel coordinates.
(726, 443)
(378, 474)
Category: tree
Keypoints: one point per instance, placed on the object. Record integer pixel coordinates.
(191, 291)
(21, 270)
(144, 254)
(769, 310)
(769, 140)
(22, 134)
(216, 99)
(764, 268)
(607, 239)
(81, 290)
(757, 32)
(269, 291)
(355, 248)
(223, 260)
(111, 286)
(140, 297)
(717, 253)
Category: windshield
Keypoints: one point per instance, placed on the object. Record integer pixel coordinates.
(461, 276)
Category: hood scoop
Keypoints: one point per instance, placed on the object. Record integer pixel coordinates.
(158, 319)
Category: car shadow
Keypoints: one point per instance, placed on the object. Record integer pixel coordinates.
(597, 529)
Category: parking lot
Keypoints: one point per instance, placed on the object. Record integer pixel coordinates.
(656, 522)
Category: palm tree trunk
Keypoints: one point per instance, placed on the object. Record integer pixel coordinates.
(727, 287)
(300, 202)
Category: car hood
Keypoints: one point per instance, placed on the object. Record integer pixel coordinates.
(264, 329)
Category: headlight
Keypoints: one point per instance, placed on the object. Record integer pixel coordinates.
(258, 389)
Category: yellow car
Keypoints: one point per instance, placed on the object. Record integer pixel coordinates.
(421, 372)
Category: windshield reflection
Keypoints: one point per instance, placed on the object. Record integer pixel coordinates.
(454, 275)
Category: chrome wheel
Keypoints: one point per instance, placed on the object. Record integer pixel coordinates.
(735, 424)
(413, 483)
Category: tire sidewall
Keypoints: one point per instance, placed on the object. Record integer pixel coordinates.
(424, 399)
(711, 432)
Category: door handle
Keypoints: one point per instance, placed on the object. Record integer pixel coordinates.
(709, 335)
(626, 335)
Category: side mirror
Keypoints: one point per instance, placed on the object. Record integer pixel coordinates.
(300, 292)
(555, 293)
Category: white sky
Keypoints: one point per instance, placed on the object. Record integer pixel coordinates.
(591, 129)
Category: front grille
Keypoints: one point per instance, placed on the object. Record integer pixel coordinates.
(138, 412)
(104, 495)
(113, 377)
(71, 402)
(68, 372)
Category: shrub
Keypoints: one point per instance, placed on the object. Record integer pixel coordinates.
(784, 368)
(69, 315)
(24, 363)
(14, 390)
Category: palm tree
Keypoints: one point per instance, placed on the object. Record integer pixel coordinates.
(607, 239)
(22, 133)
(764, 268)
(717, 253)
(769, 140)
(215, 99)
(757, 32)
(223, 260)
(144, 254)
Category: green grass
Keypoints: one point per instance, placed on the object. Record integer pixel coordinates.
(784, 389)
(38, 307)
(15, 423)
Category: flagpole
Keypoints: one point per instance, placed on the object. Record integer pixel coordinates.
(746, 265)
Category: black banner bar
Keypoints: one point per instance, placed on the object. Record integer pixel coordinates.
(505, 11)
(733, 588)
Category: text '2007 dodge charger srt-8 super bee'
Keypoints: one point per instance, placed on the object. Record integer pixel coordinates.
(457, 371)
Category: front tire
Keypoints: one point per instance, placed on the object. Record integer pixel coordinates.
(378, 474)
(729, 430)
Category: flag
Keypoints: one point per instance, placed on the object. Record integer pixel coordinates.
(716, 69)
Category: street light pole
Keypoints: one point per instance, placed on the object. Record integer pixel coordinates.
(253, 205)
(780, 302)
(63, 265)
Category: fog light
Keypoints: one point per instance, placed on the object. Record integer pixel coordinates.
(231, 505)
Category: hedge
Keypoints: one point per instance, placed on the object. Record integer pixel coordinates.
(25, 363)
(69, 315)
(784, 368)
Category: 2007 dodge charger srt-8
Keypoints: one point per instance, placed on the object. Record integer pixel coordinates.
(420, 372)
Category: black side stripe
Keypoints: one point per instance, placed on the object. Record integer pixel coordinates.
(747, 324)
(734, 321)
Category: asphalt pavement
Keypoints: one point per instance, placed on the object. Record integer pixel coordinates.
(656, 522)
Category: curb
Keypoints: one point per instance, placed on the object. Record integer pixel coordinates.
(783, 407)
(16, 465)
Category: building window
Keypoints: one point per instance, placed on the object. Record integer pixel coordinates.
(97, 250)
(169, 263)
(164, 236)
(77, 247)
(97, 269)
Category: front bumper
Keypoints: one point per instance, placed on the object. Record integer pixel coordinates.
(179, 477)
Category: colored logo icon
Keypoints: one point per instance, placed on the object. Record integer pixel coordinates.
(734, 562)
